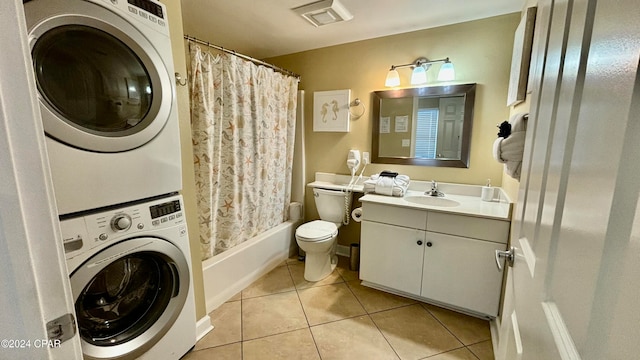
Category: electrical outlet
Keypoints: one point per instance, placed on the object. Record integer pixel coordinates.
(365, 158)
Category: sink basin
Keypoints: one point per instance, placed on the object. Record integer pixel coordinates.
(432, 201)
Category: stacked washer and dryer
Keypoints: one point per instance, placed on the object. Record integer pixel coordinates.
(104, 73)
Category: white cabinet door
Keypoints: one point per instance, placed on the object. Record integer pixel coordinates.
(392, 256)
(462, 272)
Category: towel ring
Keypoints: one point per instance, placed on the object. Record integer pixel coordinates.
(179, 80)
(355, 103)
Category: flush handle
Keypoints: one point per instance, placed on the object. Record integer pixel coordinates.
(508, 256)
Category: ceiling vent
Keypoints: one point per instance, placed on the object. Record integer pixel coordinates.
(324, 12)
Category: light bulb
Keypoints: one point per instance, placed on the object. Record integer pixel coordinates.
(419, 76)
(447, 73)
(393, 78)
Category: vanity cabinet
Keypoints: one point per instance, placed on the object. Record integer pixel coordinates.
(462, 272)
(437, 257)
(392, 256)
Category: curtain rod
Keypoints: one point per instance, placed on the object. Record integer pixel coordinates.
(232, 52)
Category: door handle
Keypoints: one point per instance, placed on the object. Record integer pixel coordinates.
(508, 256)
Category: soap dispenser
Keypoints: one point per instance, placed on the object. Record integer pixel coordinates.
(487, 191)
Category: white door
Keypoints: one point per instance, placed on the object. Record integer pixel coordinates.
(33, 278)
(572, 291)
(450, 121)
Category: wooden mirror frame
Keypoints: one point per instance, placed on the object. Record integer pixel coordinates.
(469, 92)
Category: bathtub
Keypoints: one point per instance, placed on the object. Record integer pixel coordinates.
(228, 273)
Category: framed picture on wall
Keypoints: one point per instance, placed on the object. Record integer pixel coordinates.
(385, 125)
(331, 111)
(402, 123)
(521, 58)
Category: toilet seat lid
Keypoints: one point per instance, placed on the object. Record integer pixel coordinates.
(316, 230)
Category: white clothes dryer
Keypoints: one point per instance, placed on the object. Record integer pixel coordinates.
(131, 279)
(104, 73)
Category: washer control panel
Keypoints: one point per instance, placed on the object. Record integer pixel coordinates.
(121, 222)
(87, 232)
(165, 212)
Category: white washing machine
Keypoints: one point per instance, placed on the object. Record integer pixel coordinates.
(130, 273)
(105, 78)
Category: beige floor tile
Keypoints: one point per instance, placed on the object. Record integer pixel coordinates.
(483, 350)
(271, 314)
(226, 352)
(355, 338)
(296, 344)
(236, 297)
(276, 281)
(294, 260)
(348, 275)
(297, 273)
(457, 354)
(227, 326)
(414, 333)
(343, 269)
(375, 300)
(468, 329)
(329, 303)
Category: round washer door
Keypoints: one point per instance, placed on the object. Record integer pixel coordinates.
(128, 296)
(102, 84)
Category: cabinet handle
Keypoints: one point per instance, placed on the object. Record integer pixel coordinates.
(429, 244)
(419, 242)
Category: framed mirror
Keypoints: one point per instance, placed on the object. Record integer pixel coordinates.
(428, 126)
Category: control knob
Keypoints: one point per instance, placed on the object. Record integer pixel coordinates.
(121, 222)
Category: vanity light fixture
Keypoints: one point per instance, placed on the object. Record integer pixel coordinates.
(324, 12)
(447, 72)
(393, 78)
(419, 74)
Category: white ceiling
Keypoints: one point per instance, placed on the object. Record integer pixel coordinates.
(266, 28)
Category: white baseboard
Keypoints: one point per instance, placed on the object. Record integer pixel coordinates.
(203, 326)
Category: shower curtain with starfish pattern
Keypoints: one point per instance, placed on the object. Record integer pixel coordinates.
(243, 126)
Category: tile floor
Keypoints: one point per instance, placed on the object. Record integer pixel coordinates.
(282, 316)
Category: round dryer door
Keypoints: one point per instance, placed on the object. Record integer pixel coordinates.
(128, 296)
(102, 84)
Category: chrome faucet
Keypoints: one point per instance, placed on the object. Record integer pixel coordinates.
(434, 190)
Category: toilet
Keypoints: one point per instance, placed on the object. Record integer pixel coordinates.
(318, 238)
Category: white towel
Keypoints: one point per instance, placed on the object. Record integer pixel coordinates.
(384, 185)
(496, 150)
(519, 122)
(509, 150)
(402, 181)
(512, 148)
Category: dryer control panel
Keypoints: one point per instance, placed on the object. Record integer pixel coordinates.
(90, 231)
(148, 12)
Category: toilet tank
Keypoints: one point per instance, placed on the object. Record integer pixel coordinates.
(330, 204)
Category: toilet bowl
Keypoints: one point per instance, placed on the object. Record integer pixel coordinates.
(318, 240)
